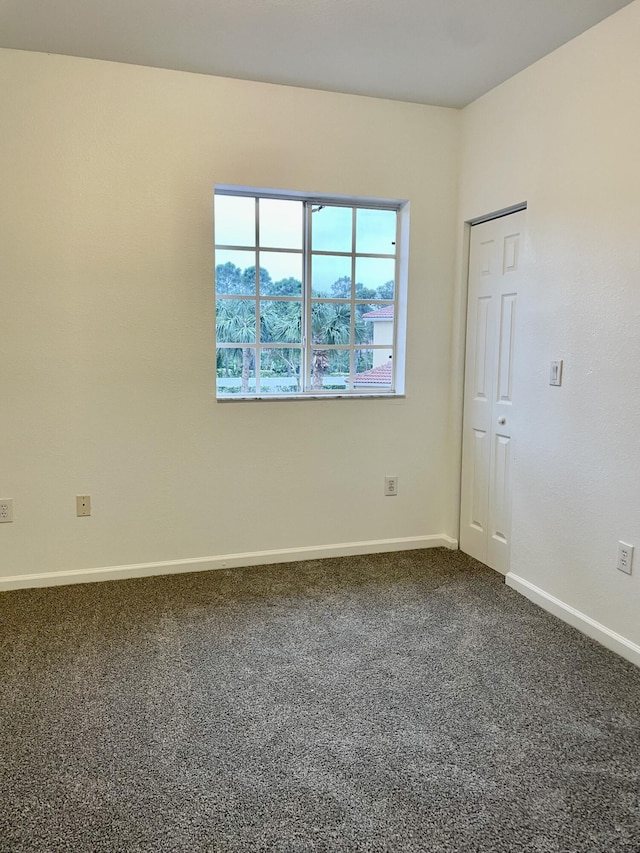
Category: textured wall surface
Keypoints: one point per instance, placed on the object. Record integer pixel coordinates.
(107, 320)
(564, 136)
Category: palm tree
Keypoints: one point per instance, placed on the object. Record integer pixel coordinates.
(236, 323)
(282, 322)
(330, 324)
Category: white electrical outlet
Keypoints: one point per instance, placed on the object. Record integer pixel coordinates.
(391, 486)
(625, 557)
(83, 505)
(6, 510)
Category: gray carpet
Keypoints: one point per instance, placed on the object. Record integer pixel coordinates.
(400, 702)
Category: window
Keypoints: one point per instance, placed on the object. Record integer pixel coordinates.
(306, 295)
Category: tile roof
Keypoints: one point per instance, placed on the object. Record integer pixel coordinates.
(385, 313)
(380, 375)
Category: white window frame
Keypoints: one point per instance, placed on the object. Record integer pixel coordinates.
(401, 208)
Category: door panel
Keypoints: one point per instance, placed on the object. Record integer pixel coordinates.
(487, 254)
(489, 411)
(511, 251)
(482, 334)
(500, 491)
(478, 517)
(505, 365)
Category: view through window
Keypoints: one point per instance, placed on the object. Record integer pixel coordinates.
(306, 293)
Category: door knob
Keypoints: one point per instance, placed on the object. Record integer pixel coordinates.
(502, 421)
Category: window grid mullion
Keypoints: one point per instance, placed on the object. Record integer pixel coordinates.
(352, 336)
(256, 354)
(306, 344)
(230, 247)
(395, 306)
(343, 254)
(307, 336)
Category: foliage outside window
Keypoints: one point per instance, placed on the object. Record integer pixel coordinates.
(306, 296)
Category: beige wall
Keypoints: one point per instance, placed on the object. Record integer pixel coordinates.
(564, 135)
(107, 325)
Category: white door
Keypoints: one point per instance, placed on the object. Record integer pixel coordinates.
(489, 414)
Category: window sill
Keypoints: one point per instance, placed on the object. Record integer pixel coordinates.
(272, 398)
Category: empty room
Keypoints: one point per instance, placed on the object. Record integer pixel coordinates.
(319, 458)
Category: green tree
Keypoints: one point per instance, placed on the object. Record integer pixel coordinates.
(236, 323)
(228, 278)
(285, 287)
(330, 324)
(281, 322)
(363, 292)
(341, 289)
(249, 280)
(385, 291)
(231, 280)
(236, 318)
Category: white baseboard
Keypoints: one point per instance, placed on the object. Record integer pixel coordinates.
(603, 635)
(226, 561)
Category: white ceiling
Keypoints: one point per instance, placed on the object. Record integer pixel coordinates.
(444, 52)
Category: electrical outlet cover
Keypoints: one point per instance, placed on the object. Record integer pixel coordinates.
(6, 510)
(83, 505)
(625, 557)
(391, 486)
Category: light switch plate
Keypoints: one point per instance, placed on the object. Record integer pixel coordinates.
(555, 374)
